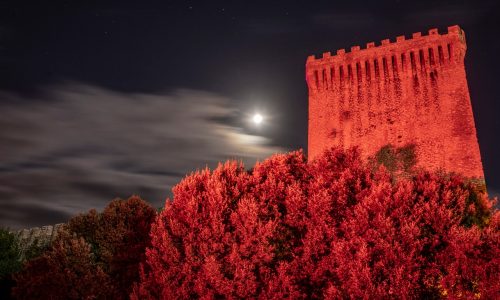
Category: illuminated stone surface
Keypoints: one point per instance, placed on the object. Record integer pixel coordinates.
(408, 91)
(37, 236)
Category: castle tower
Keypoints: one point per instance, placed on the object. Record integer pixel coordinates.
(408, 91)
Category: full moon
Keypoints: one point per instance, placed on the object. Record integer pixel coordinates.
(257, 118)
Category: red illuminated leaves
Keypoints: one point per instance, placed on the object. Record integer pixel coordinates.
(66, 271)
(328, 228)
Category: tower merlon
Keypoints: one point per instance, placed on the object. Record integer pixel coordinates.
(454, 29)
(401, 44)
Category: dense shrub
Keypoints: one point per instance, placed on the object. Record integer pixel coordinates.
(12, 258)
(9, 261)
(331, 228)
(9, 254)
(396, 160)
(118, 236)
(66, 271)
(96, 255)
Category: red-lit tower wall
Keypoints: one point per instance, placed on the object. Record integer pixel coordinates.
(411, 91)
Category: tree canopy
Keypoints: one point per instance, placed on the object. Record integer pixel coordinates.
(330, 228)
(97, 255)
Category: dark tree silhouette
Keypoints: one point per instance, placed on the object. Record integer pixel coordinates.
(96, 256)
(66, 271)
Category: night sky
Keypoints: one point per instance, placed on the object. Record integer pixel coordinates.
(100, 100)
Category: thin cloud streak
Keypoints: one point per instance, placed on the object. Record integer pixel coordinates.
(79, 146)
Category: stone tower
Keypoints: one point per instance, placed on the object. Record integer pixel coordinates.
(408, 91)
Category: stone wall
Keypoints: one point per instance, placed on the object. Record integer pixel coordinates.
(40, 236)
(406, 91)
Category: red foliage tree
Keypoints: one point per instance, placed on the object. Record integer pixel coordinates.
(66, 271)
(119, 236)
(330, 228)
(111, 247)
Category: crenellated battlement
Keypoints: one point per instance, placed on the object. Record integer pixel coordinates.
(389, 60)
(454, 30)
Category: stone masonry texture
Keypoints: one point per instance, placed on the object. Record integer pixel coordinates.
(407, 91)
(40, 236)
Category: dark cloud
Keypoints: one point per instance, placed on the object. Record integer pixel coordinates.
(79, 146)
(18, 216)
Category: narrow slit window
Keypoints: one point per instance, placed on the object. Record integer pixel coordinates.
(431, 56)
(325, 83)
(449, 51)
(367, 69)
(384, 65)
(341, 74)
(441, 54)
(394, 65)
(375, 67)
(403, 61)
(412, 61)
(422, 59)
(358, 71)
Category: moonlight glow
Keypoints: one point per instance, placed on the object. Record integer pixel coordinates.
(257, 118)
